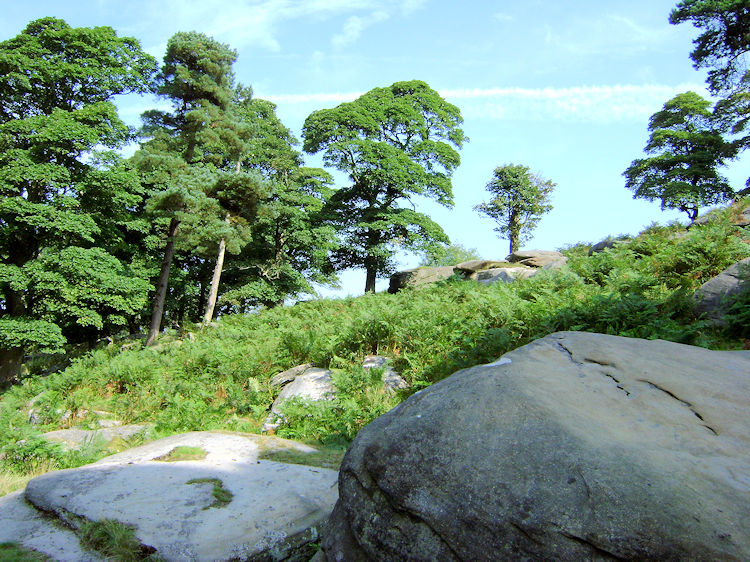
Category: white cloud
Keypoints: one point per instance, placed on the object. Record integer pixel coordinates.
(354, 27)
(588, 104)
(612, 33)
(591, 104)
(499, 16)
(255, 22)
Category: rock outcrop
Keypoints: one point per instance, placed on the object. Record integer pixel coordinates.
(265, 510)
(503, 274)
(538, 258)
(313, 383)
(711, 297)
(574, 447)
(419, 276)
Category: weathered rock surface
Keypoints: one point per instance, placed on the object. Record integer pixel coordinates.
(313, 384)
(21, 523)
(419, 276)
(472, 266)
(538, 258)
(391, 379)
(289, 375)
(709, 298)
(275, 511)
(575, 447)
(503, 275)
(75, 437)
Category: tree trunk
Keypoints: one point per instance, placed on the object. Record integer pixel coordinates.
(514, 231)
(370, 280)
(161, 289)
(10, 364)
(214, 292)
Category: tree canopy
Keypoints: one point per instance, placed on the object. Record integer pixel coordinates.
(724, 41)
(66, 200)
(687, 150)
(394, 143)
(519, 199)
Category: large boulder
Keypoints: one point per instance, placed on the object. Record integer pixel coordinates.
(313, 384)
(575, 447)
(419, 276)
(538, 258)
(472, 266)
(503, 275)
(229, 505)
(711, 297)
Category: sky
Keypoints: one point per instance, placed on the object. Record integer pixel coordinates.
(565, 88)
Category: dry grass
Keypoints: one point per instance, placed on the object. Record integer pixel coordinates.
(10, 481)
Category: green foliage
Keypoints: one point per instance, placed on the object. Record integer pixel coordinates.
(722, 48)
(724, 41)
(60, 194)
(393, 143)
(222, 496)
(14, 552)
(738, 308)
(451, 254)
(519, 200)
(687, 150)
(221, 379)
(114, 540)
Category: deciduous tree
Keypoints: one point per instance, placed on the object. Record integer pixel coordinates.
(63, 206)
(519, 199)
(686, 151)
(394, 143)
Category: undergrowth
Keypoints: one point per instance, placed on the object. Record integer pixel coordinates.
(642, 287)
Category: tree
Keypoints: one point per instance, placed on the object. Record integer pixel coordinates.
(185, 160)
(519, 200)
(722, 48)
(687, 150)
(724, 42)
(451, 254)
(393, 143)
(65, 199)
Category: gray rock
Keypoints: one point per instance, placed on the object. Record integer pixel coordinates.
(739, 216)
(418, 277)
(274, 513)
(313, 384)
(575, 447)
(537, 258)
(73, 438)
(289, 375)
(503, 275)
(472, 266)
(391, 379)
(711, 296)
(21, 523)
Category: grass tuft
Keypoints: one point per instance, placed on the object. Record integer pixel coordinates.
(14, 552)
(183, 453)
(222, 496)
(114, 540)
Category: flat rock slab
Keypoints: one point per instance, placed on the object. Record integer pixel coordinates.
(74, 437)
(21, 523)
(275, 509)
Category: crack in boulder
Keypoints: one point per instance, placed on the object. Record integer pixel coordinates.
(685, 403)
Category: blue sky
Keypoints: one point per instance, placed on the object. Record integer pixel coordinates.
(565, 88)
